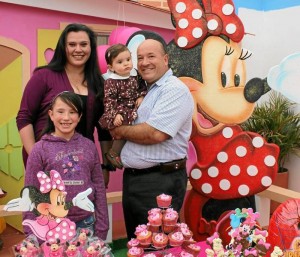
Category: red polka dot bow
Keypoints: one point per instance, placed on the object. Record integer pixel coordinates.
(48, 183)
(194, 23)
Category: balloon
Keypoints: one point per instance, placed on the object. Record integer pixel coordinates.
(101, 58)
(121, 35)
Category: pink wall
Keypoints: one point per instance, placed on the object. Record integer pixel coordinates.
(21, 23)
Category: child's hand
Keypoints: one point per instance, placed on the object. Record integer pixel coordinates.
(139, 101)
(118, 120)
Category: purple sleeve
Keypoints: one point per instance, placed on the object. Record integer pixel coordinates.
(31, 100)
(34, 165)
(100, 202)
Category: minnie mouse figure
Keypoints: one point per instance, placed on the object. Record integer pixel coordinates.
(53, 248)
(72, 249)
(50, 206)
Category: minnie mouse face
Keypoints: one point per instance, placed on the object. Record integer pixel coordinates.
(56, 207)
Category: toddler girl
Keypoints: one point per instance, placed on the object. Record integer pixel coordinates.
(123, 93)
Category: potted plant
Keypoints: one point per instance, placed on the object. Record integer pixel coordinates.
(277, 121)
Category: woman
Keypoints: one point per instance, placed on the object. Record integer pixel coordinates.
(74, 67)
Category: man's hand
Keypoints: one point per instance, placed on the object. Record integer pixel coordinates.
(115, 133)
(22, 203)
(83, 202)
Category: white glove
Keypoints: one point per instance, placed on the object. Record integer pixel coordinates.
(83, 202)
(20, 204)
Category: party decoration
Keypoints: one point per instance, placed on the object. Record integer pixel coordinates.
(230, 165)
(49, 202)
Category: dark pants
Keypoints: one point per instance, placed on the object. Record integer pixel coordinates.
(140, 191)
(86, 223)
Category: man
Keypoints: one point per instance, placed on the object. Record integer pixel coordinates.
(154, 155)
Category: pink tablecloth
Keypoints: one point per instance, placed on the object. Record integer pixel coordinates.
(176, 250)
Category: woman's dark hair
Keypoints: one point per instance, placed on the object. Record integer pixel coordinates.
(91, 70)
(72, 100)
(113, 51)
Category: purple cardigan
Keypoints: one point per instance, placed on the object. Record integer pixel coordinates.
(43, 86)
(77, 161)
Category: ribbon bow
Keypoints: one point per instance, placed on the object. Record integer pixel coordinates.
(194, 23)
(250, 252)
(48, 183)
(211, 239)
(208, 227)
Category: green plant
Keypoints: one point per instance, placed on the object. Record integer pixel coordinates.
(277, 121)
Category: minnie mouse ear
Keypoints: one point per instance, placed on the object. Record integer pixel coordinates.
(137, 38)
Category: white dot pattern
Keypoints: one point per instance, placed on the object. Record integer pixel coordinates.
(266, 181)
(49, 183)
(258, 142)
(227, 9)
(235, 170)
(230, 28)
(212, 24)
(180, 7)
(220, 20)
(227, 132)
(197, 14)
(196, 173)
(65, 230)
(243, 190)
(213, 172)
(224, 184)
(241, 151)
(206, 188)
(182, 41)
(270, 161)
(197, 32)
(222, 157)
(183, 23)
(250, 164)
(252, 170)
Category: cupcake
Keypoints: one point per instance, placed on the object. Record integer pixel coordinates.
(175, 239)
(154, 210)
(170, 217)
(187, 233)
(155, 219)
(152, 228)
(139, 229)
(193, 249)
(133, 242)
(149, 255)
(144, 238)
(183, 253)
(163, 200)
(168, 228)
(135, 252)
(169, 255)
(159, 240)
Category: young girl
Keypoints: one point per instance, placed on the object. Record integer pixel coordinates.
(123, 93)
(76, 160)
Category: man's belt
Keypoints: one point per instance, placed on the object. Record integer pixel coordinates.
(162, 167)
